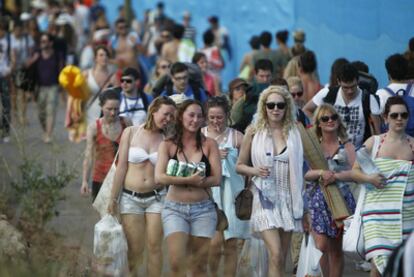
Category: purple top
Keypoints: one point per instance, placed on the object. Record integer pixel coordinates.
(48, 70)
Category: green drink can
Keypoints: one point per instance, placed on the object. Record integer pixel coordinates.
(191, 169)
(201, 167)
(172, 167)
(181, 169)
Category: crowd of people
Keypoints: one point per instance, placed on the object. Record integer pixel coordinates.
(157, 98)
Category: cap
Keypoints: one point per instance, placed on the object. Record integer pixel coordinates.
(213, 19)
(237, 83)
(38, 4)
(299, 36)
(186, 14)
(25, 16)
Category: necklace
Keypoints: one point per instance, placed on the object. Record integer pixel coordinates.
(222, 135)
(111, 129)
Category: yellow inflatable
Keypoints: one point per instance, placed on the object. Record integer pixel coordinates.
(72, 80)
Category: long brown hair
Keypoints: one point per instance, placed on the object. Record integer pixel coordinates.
(153, 108)
(179, 128)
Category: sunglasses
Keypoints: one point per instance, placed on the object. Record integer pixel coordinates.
(403, 115)
(279, 105)
(128, 81)
(164, 66)
(297, 94)
(326, 118)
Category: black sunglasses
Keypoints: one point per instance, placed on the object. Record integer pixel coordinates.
(326, 118)
(403, 115)
(128, 81)
(279, 105)
(297, 94)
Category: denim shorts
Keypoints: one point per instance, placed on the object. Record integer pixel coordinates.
(196, 219)
(137, 205)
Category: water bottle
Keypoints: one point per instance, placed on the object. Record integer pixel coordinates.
(269, 165)
(268, 189)
(366, 164)
(365, 161)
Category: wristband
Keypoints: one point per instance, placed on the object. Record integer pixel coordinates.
(320, 175)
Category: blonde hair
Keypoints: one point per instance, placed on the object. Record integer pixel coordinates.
(321, 111)
(292, 68)
(153, 108)
(294, 81)
(290, 110)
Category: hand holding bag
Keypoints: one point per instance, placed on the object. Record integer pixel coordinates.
(244, 201)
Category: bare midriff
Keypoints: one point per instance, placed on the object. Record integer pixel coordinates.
(140, 177)
(186, 194)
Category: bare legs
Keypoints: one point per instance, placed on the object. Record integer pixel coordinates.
(179, 244)
(230, 255)
(277, 244)
(135, 227)
(332, 260)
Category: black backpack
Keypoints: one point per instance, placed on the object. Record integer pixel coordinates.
(330, 98)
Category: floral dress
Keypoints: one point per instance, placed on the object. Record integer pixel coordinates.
(321, 217)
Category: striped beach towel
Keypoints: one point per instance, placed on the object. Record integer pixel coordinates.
(388, 213)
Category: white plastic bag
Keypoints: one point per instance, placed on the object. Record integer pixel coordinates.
(253, 259)
(110, 247)
(103, 198)
(309, 257)
(353, 240)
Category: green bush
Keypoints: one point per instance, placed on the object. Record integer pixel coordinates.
(37, 194)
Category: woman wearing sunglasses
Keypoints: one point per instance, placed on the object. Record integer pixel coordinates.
(229, 141)
(135, 192)
(272, 154)
(161, 69)
(340, 154)
(189, 217)
(388, 212)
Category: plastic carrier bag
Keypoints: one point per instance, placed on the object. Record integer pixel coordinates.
(110, 247)
(309, 257)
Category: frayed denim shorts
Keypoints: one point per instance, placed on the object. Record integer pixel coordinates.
(137, 205)
(196, 219)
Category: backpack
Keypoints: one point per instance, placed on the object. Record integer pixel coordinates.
(195, 81)
(367, 82)
(405, 94)
(330, 98)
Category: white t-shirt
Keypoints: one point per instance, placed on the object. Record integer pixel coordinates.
(22, 47)
(4, 57)
(352, 114)
(384, 95)
(138, 115)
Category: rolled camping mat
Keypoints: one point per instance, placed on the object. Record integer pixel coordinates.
(314, 156)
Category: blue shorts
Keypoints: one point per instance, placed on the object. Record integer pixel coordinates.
(196, 219)
(136, 205)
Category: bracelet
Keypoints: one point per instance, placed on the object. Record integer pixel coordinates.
(320, 175)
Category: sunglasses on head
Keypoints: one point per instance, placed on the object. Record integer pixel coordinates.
(128, 81)
(297, 94)
(272, 105)
(326, 118)
(403, 115)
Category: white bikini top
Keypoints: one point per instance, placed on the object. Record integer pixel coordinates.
(139, 155)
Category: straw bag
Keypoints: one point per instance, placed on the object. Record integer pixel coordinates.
(244, 201)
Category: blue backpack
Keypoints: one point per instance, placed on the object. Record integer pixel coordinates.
(405, 94)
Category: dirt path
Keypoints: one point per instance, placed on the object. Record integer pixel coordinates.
(76, 217)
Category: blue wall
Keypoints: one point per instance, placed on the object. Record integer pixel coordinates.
(367, 30)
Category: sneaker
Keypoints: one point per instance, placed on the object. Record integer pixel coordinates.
(6, 139)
